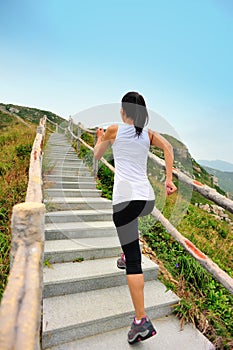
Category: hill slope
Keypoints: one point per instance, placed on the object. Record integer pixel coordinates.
(225, 179)
(29, 114)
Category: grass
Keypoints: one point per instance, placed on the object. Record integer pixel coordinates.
(16, 142)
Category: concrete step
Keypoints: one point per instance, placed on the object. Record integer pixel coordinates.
(75, 316)
(84, 182)
(79, 192)
(60, 151)
(78, 216)
(71, 278)
(68, 250)
(62, 178)
(56, 149)
(72, 230)
(64, 172)
(169, 337)
(65, 161)
(74, 166)
(84, 178)
(71, 203)
(57, 180)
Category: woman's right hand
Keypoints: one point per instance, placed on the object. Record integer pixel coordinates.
(100, 133)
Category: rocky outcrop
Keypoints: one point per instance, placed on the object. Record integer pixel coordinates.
(217, 211)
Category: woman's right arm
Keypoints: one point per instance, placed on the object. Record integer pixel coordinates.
(104, 140)
(159, 141)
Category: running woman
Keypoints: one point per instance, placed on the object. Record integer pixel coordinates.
(133, 195)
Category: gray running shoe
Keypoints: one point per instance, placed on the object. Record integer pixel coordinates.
(141, 331)
(121, 262)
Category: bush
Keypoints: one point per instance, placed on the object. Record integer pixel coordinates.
(23, 151)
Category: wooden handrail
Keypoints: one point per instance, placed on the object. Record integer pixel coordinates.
(197, 186)
(102, 159)
(20, 311)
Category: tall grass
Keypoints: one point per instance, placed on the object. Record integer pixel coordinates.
(16, 141)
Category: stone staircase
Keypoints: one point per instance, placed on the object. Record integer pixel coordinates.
(86, 302)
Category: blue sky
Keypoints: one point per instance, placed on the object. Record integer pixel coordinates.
(69, 55)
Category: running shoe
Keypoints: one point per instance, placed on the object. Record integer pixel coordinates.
(121, 262)
(141, 331)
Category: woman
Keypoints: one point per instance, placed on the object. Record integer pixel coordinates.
(133, 195)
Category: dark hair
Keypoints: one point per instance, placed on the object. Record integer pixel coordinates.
(134, 106)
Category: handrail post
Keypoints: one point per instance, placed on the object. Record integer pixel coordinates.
(95, 161)
(78, 135)
(56, 128)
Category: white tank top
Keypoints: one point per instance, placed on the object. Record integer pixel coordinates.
(130, 158)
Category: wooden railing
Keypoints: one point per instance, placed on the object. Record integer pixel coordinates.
(20, 311)
(204, 190)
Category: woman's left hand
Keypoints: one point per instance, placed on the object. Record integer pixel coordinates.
(170, 187)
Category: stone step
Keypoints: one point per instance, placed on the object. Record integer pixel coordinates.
(78, 216)
(61, 178)
(72, 230)
(69, 159)
(69, 250)
(58, 180)
(84, 178)
(60, 171)
(71, 203)
(78, 192)
(60, 152)
(71, 278)
(65, 166)
(83, 182)
(56, 149)
(169, 337)
(74, 316)
(65, 161)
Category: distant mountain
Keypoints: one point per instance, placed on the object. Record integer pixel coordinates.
(217, 164)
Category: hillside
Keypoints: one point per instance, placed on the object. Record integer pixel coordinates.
(225, 179)
(184, 162)
(29, 114)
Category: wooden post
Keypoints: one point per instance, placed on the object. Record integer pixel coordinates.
(78, 135)
(95, 162)
(56, 128)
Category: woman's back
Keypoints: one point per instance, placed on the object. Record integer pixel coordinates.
(130, 156)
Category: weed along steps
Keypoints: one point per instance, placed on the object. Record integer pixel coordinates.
(86, 302)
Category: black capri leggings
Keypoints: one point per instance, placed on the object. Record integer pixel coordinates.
(125, 218)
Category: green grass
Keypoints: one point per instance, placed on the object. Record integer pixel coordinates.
(16, 141)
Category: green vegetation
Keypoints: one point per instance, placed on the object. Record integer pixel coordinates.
(16, 142)
(78, 259)
(47, 263)
(32, 115)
